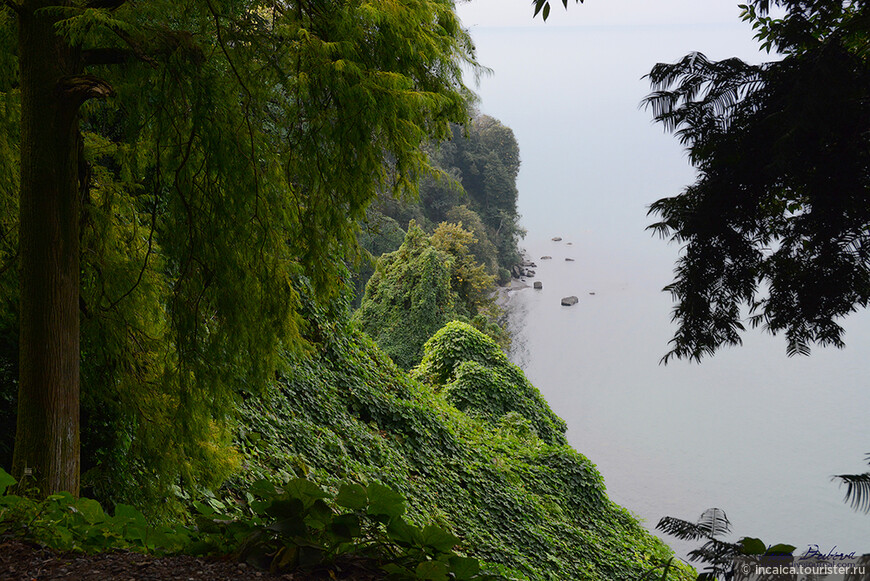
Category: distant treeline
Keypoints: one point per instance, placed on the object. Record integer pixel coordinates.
(474, 185)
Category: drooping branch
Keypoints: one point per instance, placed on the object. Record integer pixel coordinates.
(161, 43)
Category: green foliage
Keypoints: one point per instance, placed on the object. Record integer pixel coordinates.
(489, 161)
(475, 184)
(408, 298)
(293, 526)
(242, 144)
(379, 234)
(526, 508)
(478, 378)
(481, 247)
(468, 279)
(298, 525)
(65, 523)
(427, 282)
(776, 223)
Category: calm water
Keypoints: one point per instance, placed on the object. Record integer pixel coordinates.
(750, 430)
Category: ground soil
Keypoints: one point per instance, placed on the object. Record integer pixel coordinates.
(21, 561)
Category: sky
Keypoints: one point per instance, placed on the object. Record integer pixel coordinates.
(571, 89)
(600, 13)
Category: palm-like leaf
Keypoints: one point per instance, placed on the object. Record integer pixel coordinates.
(712, 523)
(710, 526)
(857, 489)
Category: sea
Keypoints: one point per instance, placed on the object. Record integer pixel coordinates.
(749, 430)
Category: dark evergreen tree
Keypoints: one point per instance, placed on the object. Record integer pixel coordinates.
(777, 222)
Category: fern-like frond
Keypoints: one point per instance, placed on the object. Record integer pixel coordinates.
(857, 490)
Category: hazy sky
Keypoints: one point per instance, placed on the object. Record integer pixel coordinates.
(570, 90)
(600, 13)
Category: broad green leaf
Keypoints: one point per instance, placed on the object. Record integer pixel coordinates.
(752, 546)
(385, 501)
(289, 527)
(464, 567)
(346, 526)
(91, 510)
(398, 570)
(437, 538)
(305, 490)
(286, 508)
(434, 570)
(402, 532)
(319, 514)
(781, 549)
(263, 488)
(207, 525)
(127, 513)
(203, 508)
(6, 481)
(352, 496)
(216, 504)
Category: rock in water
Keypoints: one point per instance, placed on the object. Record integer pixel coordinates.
(546, 257)
(557, 239)
(569, 260)
(538, 285)
(569, 301)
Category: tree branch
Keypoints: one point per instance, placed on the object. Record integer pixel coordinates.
(83, 87)
(161, 44)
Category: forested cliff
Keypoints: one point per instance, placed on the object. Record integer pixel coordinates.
(188, 191)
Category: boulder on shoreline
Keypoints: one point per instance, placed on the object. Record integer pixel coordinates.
(569, 301)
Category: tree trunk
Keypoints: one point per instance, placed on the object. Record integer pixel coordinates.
(47, 438)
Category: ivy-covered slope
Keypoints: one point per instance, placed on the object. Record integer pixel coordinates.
(531, 508)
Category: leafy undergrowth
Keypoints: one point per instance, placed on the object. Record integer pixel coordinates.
(297, 527)
(492, 490)
(497, 472)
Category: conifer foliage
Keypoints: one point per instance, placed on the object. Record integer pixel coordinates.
(168, 170)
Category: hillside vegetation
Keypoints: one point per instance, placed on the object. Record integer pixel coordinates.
(465, 438)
